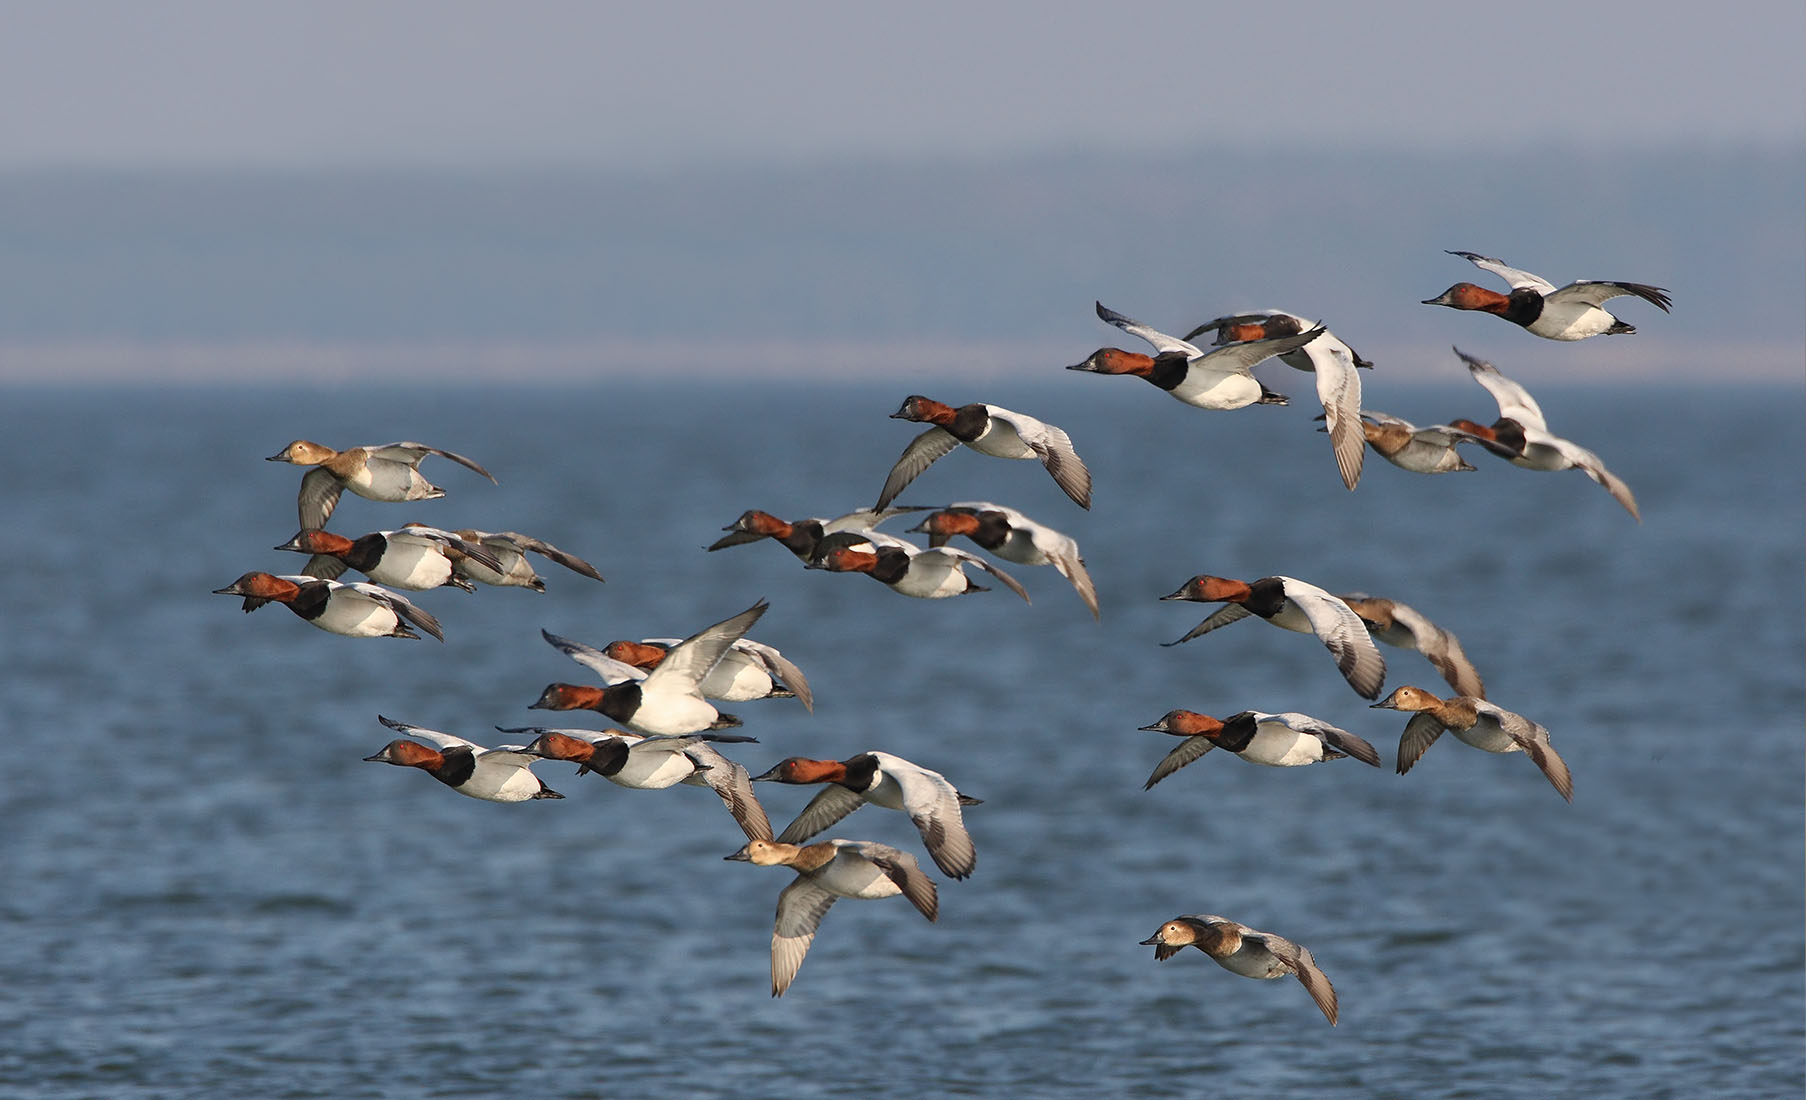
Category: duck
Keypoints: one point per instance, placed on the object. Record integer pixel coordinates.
(355, 610)
(748, 670)
(1249, 952)
(1221, 380)
(654, 762)
(801, 537)
(882, 779)
(1333, 363)
(825, 873)
(1400, 624)
(1478, 723)
(1293, 605)
(1285, 740)
(1013, 537)
(1429, 450)
(906, 568)
(509, 550)
(665, 700)
(500, 774)
(1521, 437)
(990, 430)
(1571, 313)
(386, 472)
(413, 558)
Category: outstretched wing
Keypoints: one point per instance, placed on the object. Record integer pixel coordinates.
(1517, 280)
(921, 453)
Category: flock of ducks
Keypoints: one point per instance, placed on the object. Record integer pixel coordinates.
(661, 693)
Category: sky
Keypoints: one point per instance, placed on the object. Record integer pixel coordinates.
(224, 83)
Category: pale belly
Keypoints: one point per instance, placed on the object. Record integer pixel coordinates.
(500, 784)
(1280, 746)
(652, 771)
(413, 566)
(672, 714)
(932, 578)
(1253, 962)
(852, 877)
(1487, 735)
(391, 481)
(1570, 322)
(357, 616)
(1001, 441)
(735, 679)
(1214, 390)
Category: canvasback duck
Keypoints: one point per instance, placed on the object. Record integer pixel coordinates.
(1221, 379)
(1535, 305)
(748, 670)
(802, 537)
(1399, 624)
(665, 700)
(1013, 537)
(1328, 358)
(906, 568)
(390, 472)
(1478, 723)
(355, 610)
(1286, 740)
(653, 763)
(413, 558)
(990, 430)
(826, 872)
(1521, 437)
(1428, 450)
(512, 569)
(494, 775)
(883, 780)
(1242, 950)
(1294, 605)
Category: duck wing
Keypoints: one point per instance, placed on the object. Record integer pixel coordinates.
(412, 454)
(1589, 463)
(1336, 738)
(1187, 750)
(401, 605)
(1162, 343)
(612, 671)
(780, 668)
(320, 491)
(921, 453)
(801, 907)
(1517, 280)
(901, 868)
(1533, 738)
(1054, 448)
(1343, 633)
(1299, 960)
(829, 805)
(966, 557)
(733, 785)
(933, 804)
(1221, 617)
(551, 553)
(1515, 402)
(1594, 292)
(690, 660)
(1420, 733)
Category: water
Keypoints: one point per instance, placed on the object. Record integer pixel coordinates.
(208, 893)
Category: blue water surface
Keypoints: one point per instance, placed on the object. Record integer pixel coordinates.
(208, 893)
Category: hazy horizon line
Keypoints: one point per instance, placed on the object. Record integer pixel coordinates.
(261, 362)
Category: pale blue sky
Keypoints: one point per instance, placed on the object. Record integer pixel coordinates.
(222, 82)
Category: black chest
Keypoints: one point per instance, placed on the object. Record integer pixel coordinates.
(1266, 597)
(1523, 307)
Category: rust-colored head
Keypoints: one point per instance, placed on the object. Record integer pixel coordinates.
(1115, 361)
(1187, 723)
(802, 769)
(1235, 334)
(925, 410)
(562, 746)
(1205, 588)
(263, 586)
(949, 523)
(845, 559)
(312, 540)
(637, 654)
(407, 754)
(756, 522)
(567, 697)
(1469, 296)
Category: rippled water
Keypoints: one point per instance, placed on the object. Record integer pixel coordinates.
(208, 893)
